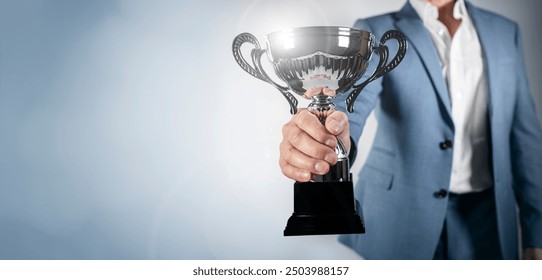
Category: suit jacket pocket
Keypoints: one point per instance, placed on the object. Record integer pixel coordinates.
(374, 189)
(378, 169)
(374, 178)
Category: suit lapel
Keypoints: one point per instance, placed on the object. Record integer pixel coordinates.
(411, 25)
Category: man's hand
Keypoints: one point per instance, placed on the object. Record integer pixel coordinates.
(307, 146)
(532, 254)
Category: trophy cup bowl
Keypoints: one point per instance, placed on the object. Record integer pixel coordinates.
(308, 57)
(322, 56)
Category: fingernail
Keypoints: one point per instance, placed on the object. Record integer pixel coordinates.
(331, 143)
(320, 167)
(330, 157)
(305, 175)
(335, 126)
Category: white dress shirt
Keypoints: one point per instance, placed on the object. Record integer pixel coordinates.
(462, 65)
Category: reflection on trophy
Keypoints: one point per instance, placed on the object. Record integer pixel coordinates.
(333, 57)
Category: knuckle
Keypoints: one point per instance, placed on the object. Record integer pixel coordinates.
(317, 152)
(282, 156)
(286, 173)
(294, 175)
(295, 138)
(287, 128)
(285, 169)
(322, 136)
(281, 164)
(284, 129)
(287, 156)
(302, 113)
(301, 119)
(304, 118)
(283, 146)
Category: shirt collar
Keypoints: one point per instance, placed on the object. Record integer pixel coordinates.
(428, 12)
(460, 10)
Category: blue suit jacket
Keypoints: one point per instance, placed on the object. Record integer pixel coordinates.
(406, 166)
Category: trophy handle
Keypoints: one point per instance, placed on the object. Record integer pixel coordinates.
(382, 67)
(257, 70)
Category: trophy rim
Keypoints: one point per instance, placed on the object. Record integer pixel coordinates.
(331, 30)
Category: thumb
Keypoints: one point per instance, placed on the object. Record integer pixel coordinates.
(337, 123)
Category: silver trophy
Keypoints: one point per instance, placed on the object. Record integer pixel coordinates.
(322, 56)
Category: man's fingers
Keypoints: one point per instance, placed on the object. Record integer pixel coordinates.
(329, 92)
(297, 159)
(310, 124)
(294, 172)
(319, 90)
(312, 92)
(308, 146)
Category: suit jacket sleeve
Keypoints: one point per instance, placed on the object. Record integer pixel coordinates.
(526, 152)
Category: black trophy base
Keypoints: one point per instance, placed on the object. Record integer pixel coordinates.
(324, 208)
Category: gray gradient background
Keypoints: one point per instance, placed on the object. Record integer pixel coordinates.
(129, 132)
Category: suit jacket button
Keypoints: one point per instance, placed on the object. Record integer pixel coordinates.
(442, 193)
(446, 144)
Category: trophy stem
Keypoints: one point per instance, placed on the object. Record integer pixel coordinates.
(322, 106)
